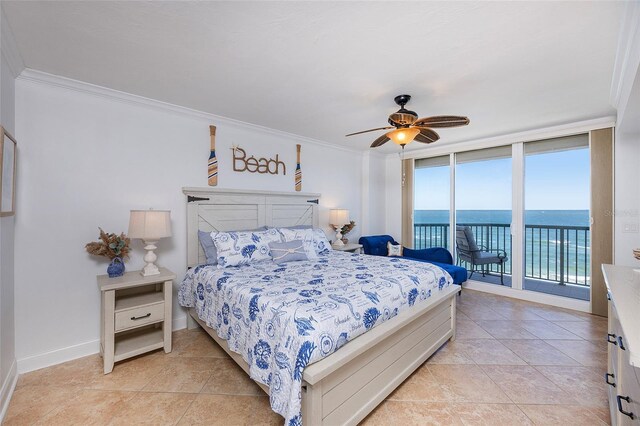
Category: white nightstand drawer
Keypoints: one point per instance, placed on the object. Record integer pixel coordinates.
(139, 316)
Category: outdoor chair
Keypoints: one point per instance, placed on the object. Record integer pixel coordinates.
(476, 255)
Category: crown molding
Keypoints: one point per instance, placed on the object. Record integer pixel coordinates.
(627, 62)
(511, 138)
(9, 48)
(39, 77)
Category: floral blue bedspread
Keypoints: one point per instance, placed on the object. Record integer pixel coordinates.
(281, 318)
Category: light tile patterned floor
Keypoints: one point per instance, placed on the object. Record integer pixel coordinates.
(514, 363)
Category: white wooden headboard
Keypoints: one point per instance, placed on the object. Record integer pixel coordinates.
(210, 209)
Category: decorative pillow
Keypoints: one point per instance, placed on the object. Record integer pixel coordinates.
(288, 252)
(241, 248)
(394, 249)
(206, 241)
(320, 241)
(304, 235)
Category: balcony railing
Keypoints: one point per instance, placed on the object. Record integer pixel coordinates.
(552, 252)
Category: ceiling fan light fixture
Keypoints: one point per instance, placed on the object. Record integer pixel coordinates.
(403, 136)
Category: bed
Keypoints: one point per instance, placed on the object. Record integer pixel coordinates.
(347, 368)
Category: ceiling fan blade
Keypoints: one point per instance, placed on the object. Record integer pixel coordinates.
(370, 130)
(442, 121)
(426, 136)
(380, 141)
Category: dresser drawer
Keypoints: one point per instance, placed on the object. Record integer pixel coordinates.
(614, 331)
(629, 385)
(136, 317)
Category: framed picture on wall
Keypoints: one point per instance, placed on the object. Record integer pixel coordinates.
(7, 173)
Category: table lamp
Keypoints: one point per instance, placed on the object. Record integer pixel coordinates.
(338, 218)
(149, 226)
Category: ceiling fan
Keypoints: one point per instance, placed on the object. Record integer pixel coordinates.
(409, 127)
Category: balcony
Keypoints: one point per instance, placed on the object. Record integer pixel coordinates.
(556, 257)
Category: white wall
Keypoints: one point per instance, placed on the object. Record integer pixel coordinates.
(373, 193)
(87, 158)
(7, 324)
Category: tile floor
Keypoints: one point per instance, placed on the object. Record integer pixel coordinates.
(573, 291)
(513, 363)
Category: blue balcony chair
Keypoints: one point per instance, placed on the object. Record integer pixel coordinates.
(376, 245)
(469, 251)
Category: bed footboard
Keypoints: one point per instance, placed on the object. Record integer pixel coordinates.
(345, 390)
(346, 386)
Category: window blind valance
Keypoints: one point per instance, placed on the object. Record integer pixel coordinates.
(565, 143)
(424, 163)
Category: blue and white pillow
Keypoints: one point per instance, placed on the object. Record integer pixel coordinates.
(209, 248)
(241, 248)
(314, 240)
(291, 251)
(304, 235)
(320, 241)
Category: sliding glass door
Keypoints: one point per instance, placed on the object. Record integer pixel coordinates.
(557, 232)
(483, 213)
(432, 187)
(522, 215)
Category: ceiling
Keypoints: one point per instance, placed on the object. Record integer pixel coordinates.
(324, 69)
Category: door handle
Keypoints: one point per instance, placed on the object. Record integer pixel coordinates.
(606, 379)
(620, 343)
(626, 413)
(609, 336)
(141, 317)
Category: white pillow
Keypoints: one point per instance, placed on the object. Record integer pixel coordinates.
(241, 248)
(305, 235)
(320, 242)
(394, 249)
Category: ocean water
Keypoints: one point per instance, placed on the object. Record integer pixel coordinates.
(532, 217)
(552, 252)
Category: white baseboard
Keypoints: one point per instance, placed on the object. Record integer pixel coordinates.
(179, 323)
(70, 353)
(530, 296)
(8, 386)
(58, 356)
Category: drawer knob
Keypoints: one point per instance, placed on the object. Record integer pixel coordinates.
(626, 413)
(141, 317)
(606, 379)
(611, 336)
(620, 343)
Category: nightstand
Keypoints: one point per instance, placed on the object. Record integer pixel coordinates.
(136, 315)
(353, 248)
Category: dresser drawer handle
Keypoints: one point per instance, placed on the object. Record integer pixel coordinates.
(141, 317)
(626, 413)
(609, 336)
(606, 379)
(620, 343)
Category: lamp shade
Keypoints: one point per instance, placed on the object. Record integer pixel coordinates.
(150, 225)
(403, 136)
(338, 217)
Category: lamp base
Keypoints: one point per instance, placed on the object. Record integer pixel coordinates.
(150, 268)
(338, 241)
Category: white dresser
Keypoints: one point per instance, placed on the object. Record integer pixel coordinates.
(623, 366)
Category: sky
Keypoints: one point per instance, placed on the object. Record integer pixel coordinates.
(553, 181)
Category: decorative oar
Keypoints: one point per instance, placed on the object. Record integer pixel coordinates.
(213, 161)
(298, 174)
